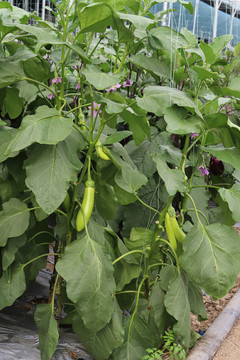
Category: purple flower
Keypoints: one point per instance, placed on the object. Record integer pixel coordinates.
(112, 88)
(78, 67)
(203, 170)
(193, 135)
(50, 96)
(47, 57)
(78, 87)
(95, 109)
(127, 83)
(57, 80)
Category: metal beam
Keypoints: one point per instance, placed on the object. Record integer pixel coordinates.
(232, 16)
(195, 16)
(165, 6)
(43, 9)
(224, 7)
(216, 8)
(170, 15)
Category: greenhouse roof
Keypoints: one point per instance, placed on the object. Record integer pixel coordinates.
(227, 6)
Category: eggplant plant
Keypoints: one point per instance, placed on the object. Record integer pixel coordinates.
(119, 149)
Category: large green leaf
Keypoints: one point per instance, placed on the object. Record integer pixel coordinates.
(10, 72)
(117, 137)
(35, 248)
(204, 74)
(48, 330)
(166, 38)
(44, 127)
(232, 197)
(100, 80)
(138, 337)
(138, 124)
(112, 107)
(173, 178)
(140, 238)
(142, 155)
(12, 97)
(120, 5)
(211, 257)
(152, 64)
(130, 179)
(96, 18)
(140, 22)
(43, 35)
(37, 69)
(222, 130)
(226, 91)
(9, 251)
(196, 300)
(157, 99)
(101, 344)
(14, 220)
(106, 201)
(201, 197)
(157, 296)
(12, 285)
(189, 36)
(218, 44)
(179, 123)
(6, 136)
(187, 5)
(8, 189)
(229, 155)
(177, 305)
(139, 215)
(88, 272)
(127, 268)
(210, 55)
(50, 169)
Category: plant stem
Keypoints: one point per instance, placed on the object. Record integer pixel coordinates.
(38, 257)
(80, 132)
(200, 212)
(184, 153)
(89, 42)
(95, 47)
(61, 212)
(116, 60)
(54, 291)
(123, 59)
(40, 83)
(128, 292)
(173, 251)
(210, 186)
(77, 107)
(40, 233)
(134, 313)
(128, 253)
(163, 212)
(194, 206)
(149, 207)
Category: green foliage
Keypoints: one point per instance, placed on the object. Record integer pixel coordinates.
(48, 330)
(170, 348)
(163, 106)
